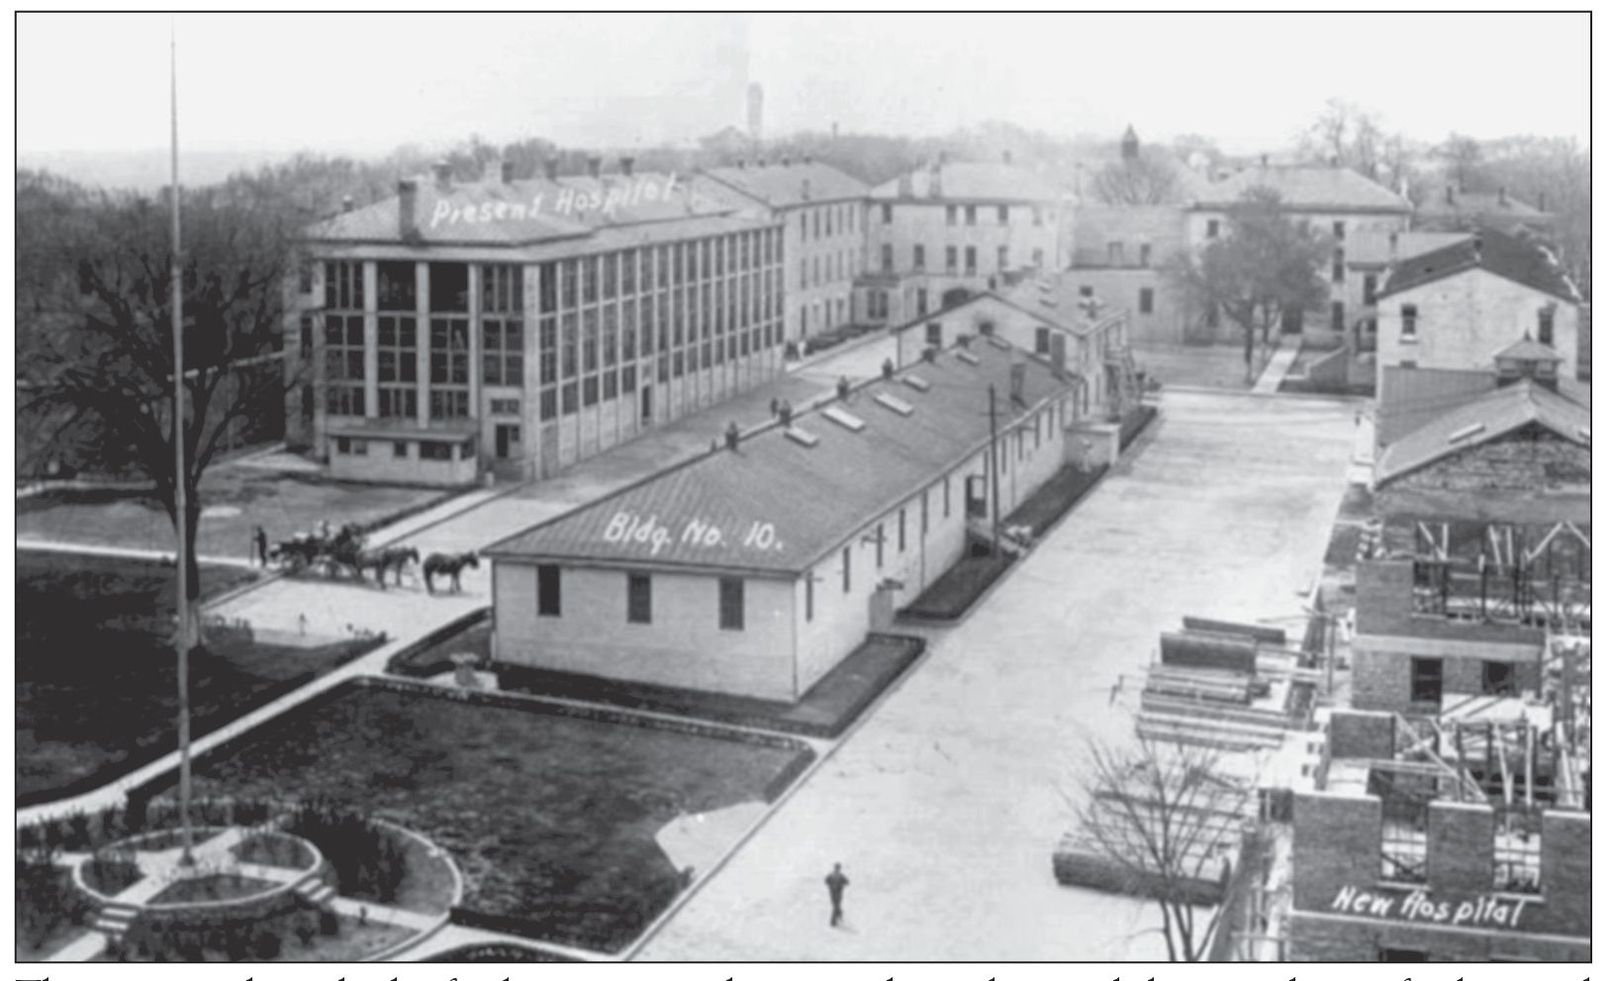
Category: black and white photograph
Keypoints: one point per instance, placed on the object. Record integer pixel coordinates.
(657, 488)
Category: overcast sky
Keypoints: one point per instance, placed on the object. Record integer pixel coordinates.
(367, 83)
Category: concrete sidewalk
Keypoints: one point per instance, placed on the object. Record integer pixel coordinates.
(1278, 366)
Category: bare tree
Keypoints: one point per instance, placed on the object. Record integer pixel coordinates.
(106, 353)
(1164, 815)
(1145, 179)
(1463, 157)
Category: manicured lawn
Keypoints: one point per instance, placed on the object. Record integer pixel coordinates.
(234, 500)
(1201, 365)
(96, 675)
(551, 817)
(212, 888)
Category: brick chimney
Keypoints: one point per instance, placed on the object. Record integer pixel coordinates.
(407, 190)
(731, 436)
(347, 203)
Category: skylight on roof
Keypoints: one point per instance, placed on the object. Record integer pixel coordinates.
(844, 419)
(966, 356)
(798, 435)
(1460, 435)
(917, 383)
(894, 403)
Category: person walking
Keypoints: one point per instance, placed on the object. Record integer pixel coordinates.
(260, 543)
(837, 883)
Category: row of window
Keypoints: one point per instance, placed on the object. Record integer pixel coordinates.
(429, 449)
(969, 210)
(844, 266)
(565, 284)
(641, 606)
(888, 259)
(830, 220)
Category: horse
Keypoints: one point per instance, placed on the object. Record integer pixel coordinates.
(438, 564)
(396, 558)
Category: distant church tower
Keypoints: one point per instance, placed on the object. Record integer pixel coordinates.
(754, 111)
(1129, 144)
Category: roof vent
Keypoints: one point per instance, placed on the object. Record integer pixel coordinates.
(917, 383)
(1459, 435)
(843, 388)
(887, 369)
(801, 436)
(844, 419)
(894, 403)
(966, 356)
(731, 436)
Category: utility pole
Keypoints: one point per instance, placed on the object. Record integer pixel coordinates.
(992, 424)
(176, 294)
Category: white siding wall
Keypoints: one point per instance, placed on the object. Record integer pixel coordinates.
(1466, 319)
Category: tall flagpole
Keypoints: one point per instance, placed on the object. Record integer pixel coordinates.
(176, 287)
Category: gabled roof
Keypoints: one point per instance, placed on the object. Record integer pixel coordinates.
(1495, 252)
(1307, 189)
(1485, 418)
(969, 181)
(1408, 398)
(776, 506)
(782, 185)
(1372, 247)
(1526, 349)
(523, 212)
(1058, 301)
(1476, 204)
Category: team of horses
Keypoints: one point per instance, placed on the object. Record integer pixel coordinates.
(344, 553)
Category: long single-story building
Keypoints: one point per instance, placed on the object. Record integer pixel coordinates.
(756, 568)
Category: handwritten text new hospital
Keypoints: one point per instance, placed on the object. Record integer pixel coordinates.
(566, 201)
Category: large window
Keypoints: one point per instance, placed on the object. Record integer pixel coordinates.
(1544, 325)
(1426, 680)
(639, 598)
(731, 603)
(549, 590)
(970, 260)
(450, 359)
(344, 286)
(395, 366)
(1410, 321)
(502, 325)
(344, 364)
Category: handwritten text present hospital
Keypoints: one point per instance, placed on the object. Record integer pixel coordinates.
(566, 201)
(626, 527)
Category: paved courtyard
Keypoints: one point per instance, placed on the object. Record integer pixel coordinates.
(946, 804)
